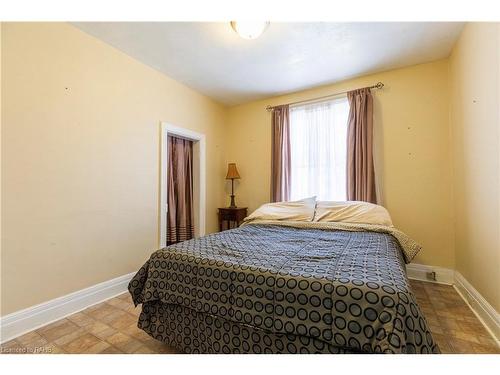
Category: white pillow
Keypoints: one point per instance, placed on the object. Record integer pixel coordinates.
(302, 210)
(352, 212)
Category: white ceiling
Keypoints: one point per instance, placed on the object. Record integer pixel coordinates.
(212, 59)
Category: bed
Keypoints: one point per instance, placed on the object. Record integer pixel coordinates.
(285, 286)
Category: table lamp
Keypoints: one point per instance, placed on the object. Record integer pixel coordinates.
(232, 174)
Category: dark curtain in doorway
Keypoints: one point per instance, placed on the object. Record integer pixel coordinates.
(180, 222)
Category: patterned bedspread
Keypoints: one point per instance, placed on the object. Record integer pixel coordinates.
(347, 289)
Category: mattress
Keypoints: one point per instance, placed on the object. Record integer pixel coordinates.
(346, 291)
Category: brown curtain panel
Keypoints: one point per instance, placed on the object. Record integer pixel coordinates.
(280, 159)
(360, 171)
(180, 223)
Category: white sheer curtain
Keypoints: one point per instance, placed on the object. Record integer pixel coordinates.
(318, 135)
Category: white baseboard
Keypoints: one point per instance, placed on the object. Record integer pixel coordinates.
(483, 310)
(21, 322)
(421, 272)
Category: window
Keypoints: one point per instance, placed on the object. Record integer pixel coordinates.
(318, 140)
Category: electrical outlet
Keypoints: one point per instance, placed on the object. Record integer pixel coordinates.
(431, 275)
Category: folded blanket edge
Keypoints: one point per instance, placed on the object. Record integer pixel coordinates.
(409, 247)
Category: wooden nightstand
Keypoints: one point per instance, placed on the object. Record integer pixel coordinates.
(231, 215)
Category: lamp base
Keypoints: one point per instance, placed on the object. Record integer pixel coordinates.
(233, 204)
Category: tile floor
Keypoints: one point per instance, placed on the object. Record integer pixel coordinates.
(110, 327)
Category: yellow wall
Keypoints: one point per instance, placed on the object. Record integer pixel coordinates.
(80, 160)
(412, 136)
(475, 124)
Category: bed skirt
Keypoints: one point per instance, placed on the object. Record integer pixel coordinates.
(195, 332)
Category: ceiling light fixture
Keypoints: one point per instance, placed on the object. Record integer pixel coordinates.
(249, 29)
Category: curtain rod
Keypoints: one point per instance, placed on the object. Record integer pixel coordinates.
(378, 85)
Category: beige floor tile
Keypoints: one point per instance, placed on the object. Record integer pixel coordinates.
(136, 311)
(97, 327)
(123, 321)
(126, 297)
(449, 323)
(124, 342)
(486, 339)
(485, 349)
(71, 337)
(81, 344)
(160, 347)
(105, 333)
(102, 311)
(111, 350)
(436, 328)
(81, 319)
(57, 330)
(119, 302)
(442, 341)
(460, 346)
(31, 337)
(145, 350)
(114, 316)
(464, 336)
(97, 348)
(136, 333)
(473, 327)
(95, 307)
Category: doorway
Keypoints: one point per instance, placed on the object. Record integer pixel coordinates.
(182, 154)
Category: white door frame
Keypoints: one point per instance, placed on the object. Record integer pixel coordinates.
(199, 139)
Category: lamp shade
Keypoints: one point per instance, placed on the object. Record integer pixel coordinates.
(232, 172)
